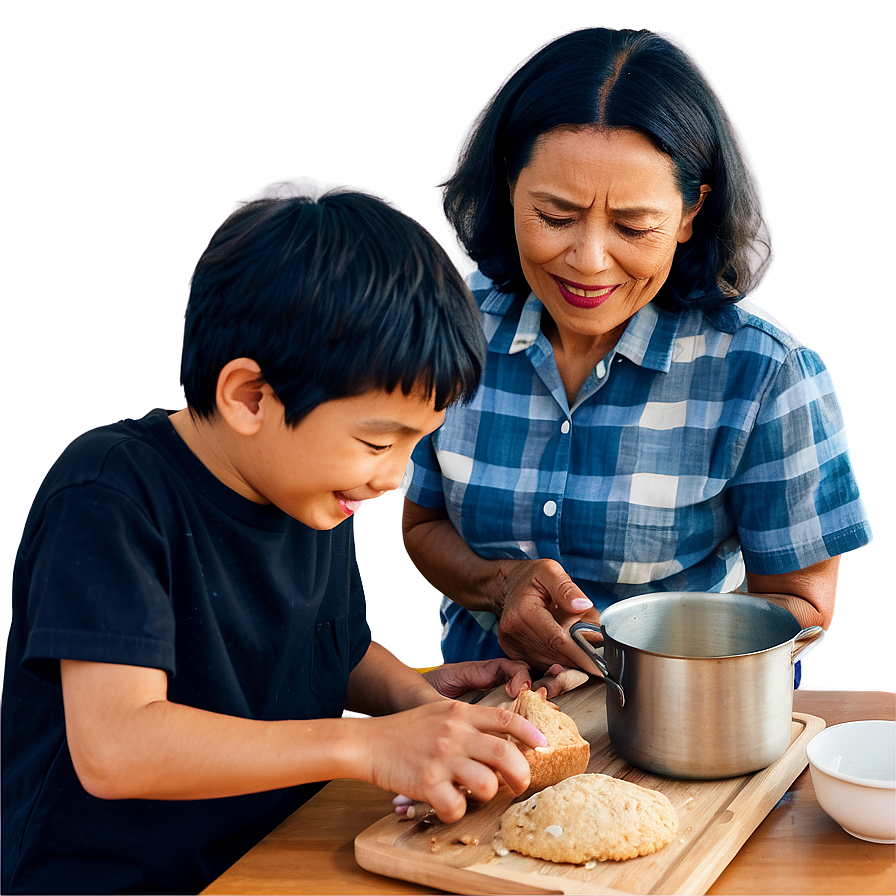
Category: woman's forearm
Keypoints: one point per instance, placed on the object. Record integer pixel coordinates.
(449, 564)
(808, 594)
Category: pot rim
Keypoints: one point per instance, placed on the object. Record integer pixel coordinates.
(678, 656)
(619, 607)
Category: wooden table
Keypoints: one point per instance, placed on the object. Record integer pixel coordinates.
(796, 849)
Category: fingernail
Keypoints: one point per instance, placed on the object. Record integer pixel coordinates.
(581, 603)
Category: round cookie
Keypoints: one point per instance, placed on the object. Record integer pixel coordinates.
(590, 817)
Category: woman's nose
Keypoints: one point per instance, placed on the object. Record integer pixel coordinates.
(588, 252)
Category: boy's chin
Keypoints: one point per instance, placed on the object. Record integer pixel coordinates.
(322, 516)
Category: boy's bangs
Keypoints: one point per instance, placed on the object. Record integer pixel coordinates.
(331, 297)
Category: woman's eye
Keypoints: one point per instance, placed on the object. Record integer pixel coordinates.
(553, 222)
(377, 447)
(633, 233)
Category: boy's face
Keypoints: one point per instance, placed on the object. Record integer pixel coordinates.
(344, 452)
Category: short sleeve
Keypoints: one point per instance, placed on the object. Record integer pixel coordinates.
(423, 480)
(794, 495)
(98, 584)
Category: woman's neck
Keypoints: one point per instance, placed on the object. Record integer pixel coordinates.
(577, 354)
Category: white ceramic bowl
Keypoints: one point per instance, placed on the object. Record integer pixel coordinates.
(852, 772)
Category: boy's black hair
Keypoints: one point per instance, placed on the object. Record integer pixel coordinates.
(331, 297)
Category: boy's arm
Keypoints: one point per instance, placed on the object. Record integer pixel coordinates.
(381, 684)
(128, 741)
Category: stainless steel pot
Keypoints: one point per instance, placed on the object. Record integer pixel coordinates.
(698, 685)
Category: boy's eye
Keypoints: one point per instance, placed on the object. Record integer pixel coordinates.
(377, 447)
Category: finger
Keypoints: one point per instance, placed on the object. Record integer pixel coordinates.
(576, 657)
(538, 639)
(552, 688)
(504, 760)
(489, 673)
(561, 682)
(479, 781)
(555, 643)
(448, 802)
(507, 722)
(519, 681)
(563, 590)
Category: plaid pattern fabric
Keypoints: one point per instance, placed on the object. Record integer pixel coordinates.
(702, 442)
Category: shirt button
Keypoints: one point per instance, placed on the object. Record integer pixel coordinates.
(564, 427)
(550, 508)
(601, 369)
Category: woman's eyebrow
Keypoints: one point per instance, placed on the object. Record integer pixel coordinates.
(559, 201)
(640, 211)
(568, 205)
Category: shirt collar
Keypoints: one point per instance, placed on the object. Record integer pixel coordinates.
(649, 338)
(513, 325)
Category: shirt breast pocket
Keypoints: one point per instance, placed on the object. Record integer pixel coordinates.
(330, 665)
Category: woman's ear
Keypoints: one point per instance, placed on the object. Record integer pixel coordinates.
(686, 230)
(240, 395)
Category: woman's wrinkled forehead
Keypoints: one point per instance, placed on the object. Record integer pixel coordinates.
(545, 140)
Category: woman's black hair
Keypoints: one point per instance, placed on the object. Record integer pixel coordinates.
(332, 297)
(605, 79)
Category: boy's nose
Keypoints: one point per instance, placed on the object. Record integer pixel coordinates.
(390, 475)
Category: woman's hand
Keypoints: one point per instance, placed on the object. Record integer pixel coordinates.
(540, 604)
(442, 752)
(456, 679)
(535, 600)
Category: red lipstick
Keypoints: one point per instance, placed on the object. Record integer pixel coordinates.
(581, 295)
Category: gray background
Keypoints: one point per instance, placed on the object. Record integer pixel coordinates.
(133, 129)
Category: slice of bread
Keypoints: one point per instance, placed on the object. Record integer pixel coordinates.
(567, 752)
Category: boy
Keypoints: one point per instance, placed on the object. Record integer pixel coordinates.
(188, 617)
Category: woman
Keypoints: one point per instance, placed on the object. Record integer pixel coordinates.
(640, 426)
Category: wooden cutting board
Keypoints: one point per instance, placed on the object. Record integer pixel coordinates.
(715, 819)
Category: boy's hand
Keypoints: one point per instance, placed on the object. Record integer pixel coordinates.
(436, 752)
(456, 679)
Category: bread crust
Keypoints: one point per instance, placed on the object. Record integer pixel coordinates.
(567, 752)
(589, 817)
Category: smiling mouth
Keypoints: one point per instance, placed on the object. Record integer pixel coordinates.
(348, 505)
(582, 296)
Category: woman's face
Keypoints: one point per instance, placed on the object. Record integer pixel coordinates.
(597, 216)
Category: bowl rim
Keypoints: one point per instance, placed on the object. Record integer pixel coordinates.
(852, 779)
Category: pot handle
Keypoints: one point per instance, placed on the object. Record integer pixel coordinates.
(805, 641)
(595, 657)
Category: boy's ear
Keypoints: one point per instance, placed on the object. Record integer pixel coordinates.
(240, 395)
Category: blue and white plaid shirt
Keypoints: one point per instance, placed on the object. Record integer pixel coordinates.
(703, 441)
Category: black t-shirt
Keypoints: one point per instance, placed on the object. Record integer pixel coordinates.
(135, 553)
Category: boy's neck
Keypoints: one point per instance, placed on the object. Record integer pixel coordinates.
(209, 440)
